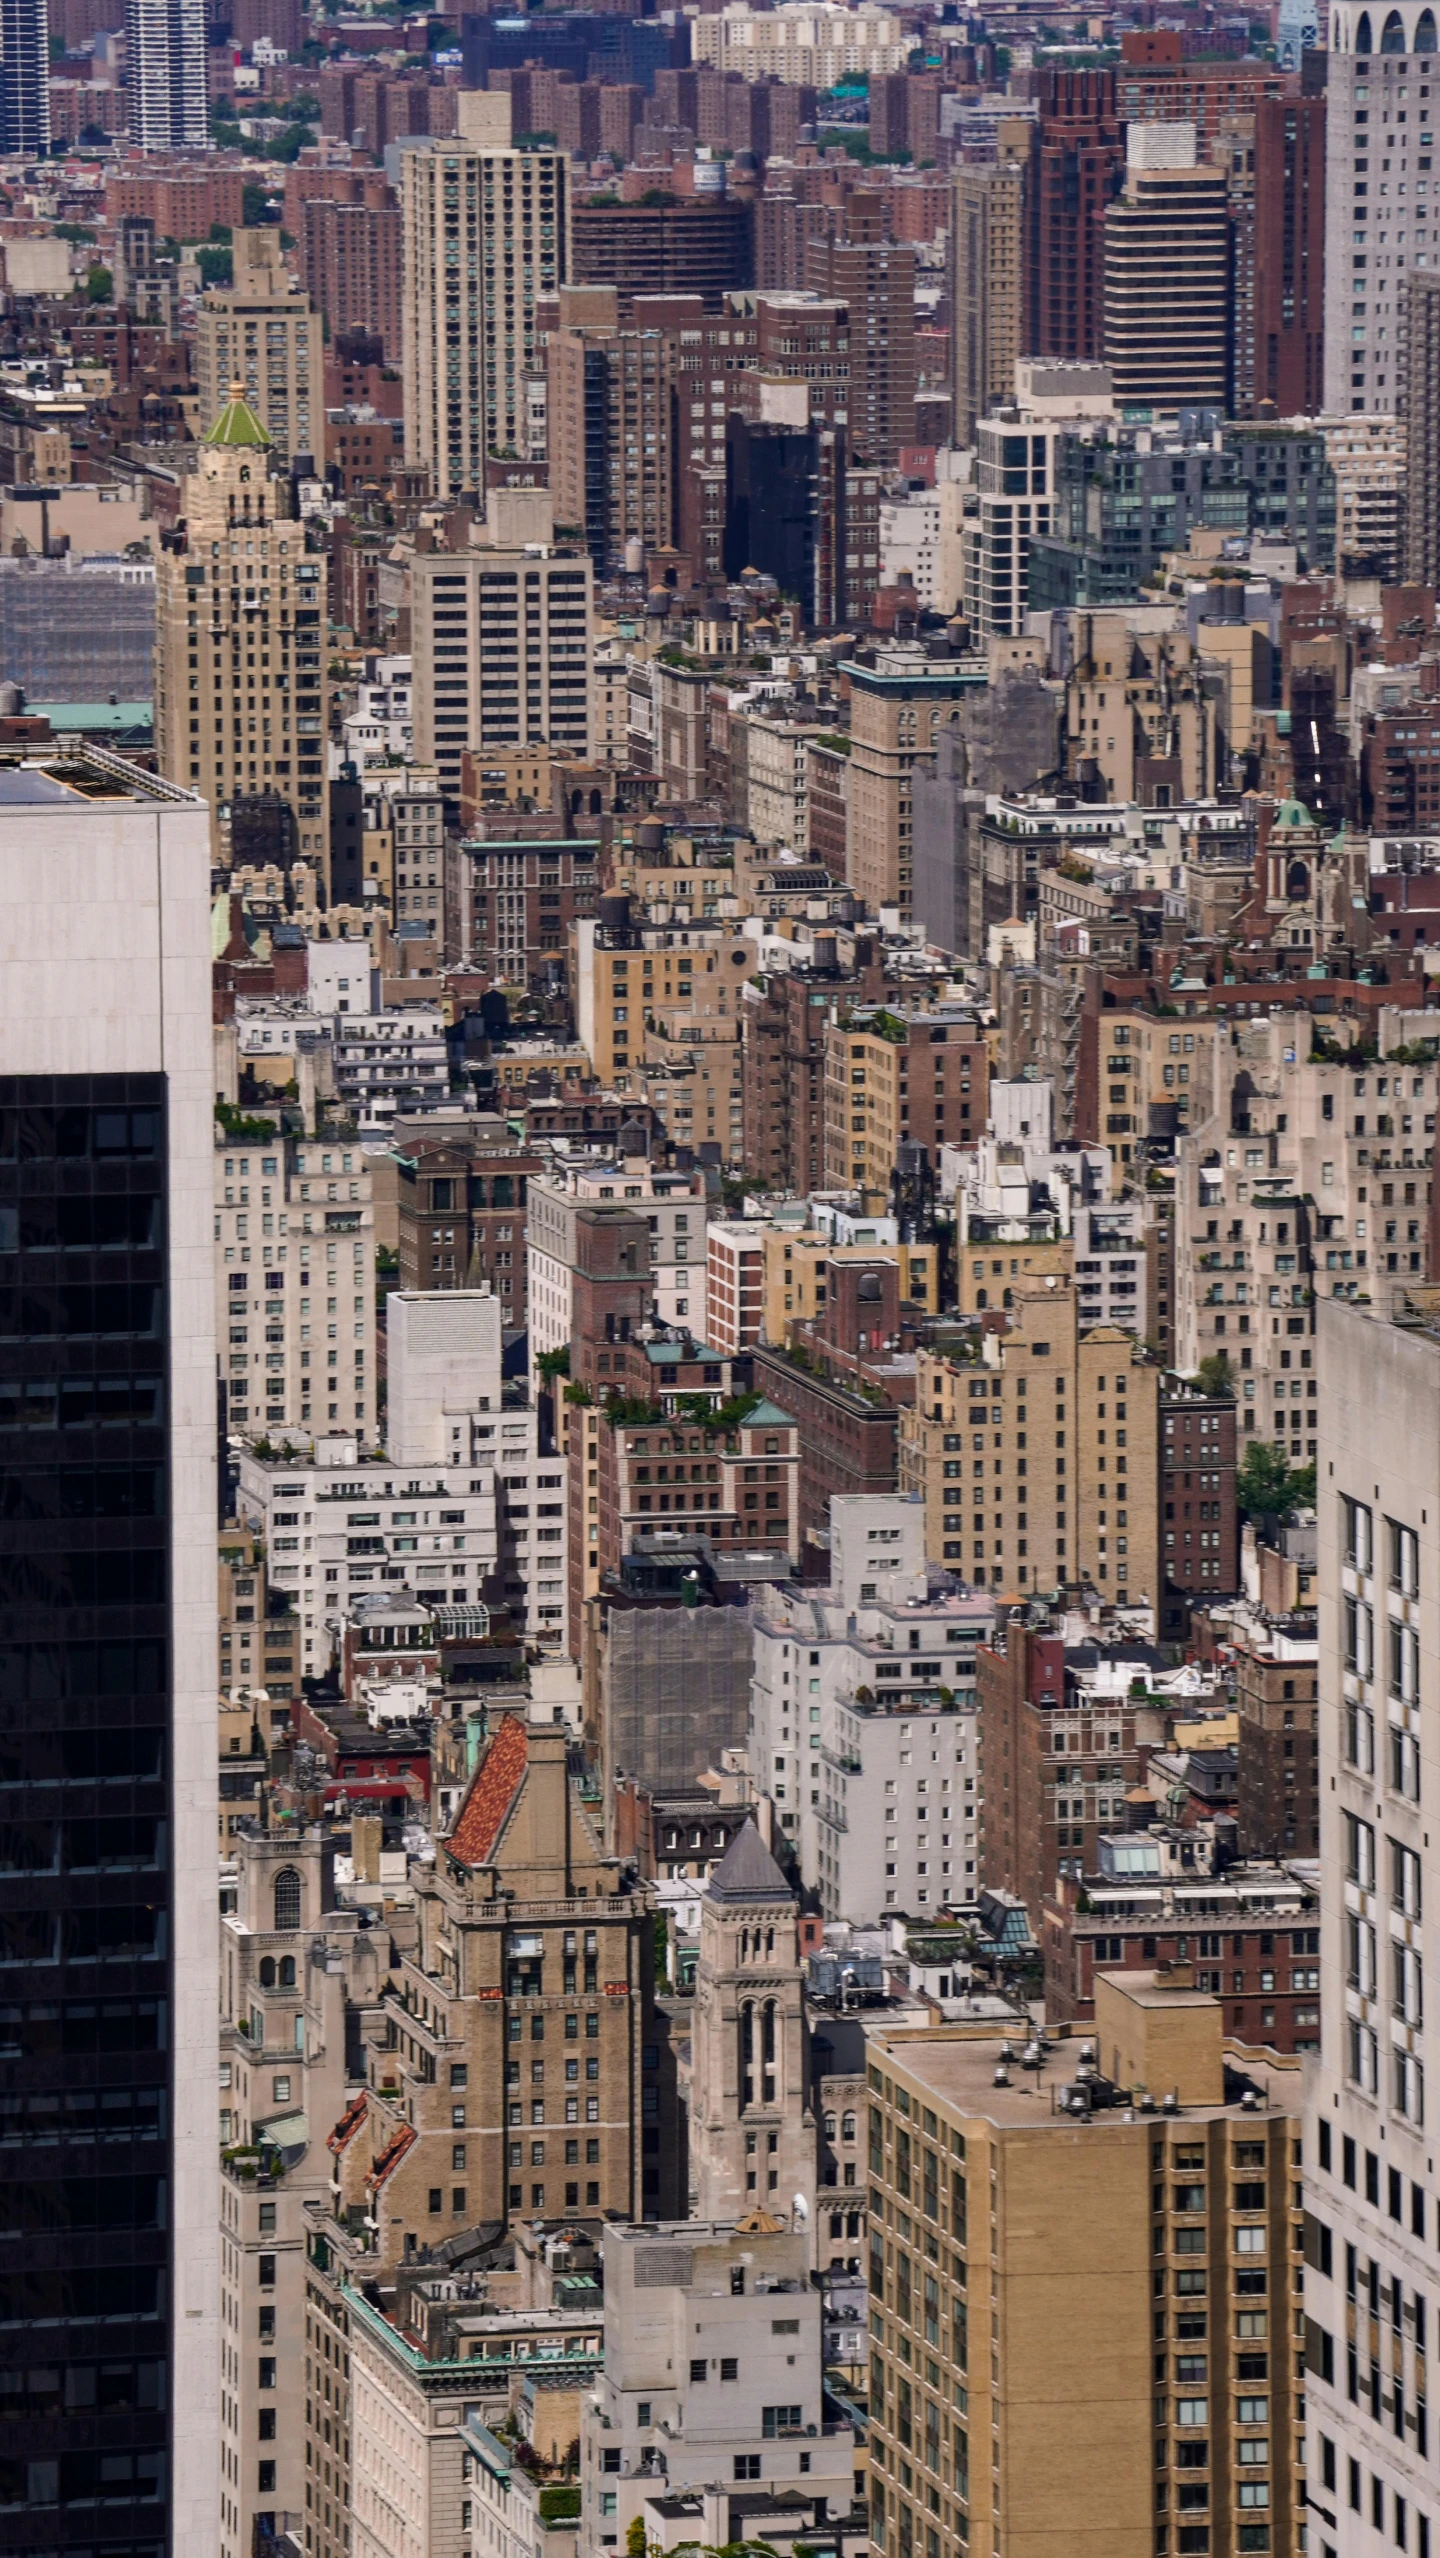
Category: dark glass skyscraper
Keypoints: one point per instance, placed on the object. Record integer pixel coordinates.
(25, 76)
(108, 2341)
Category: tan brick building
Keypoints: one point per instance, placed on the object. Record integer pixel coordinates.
(520, 2066)
(1040, 1463)
(1167, 2244)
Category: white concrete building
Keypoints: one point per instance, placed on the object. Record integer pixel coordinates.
(1371, 2194)
(295, 1288)
(863, 1724)
(814, 42)
(392, 1061)
(1379, 93)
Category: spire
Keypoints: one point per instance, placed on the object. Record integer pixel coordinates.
(748, 1872)
(237, 422)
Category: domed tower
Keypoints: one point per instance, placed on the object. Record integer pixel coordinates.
(752, 2132)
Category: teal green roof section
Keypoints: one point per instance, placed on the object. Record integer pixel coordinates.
(237, 422)
(766, 1414)
(95, 719)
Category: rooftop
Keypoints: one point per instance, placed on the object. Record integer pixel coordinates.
(81, 772)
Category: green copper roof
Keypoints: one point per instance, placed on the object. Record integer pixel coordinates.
(237, 422)
(1293, 812)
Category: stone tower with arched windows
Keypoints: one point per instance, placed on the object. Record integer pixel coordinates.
(752, 2130)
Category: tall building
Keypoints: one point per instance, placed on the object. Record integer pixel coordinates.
(25, 77)
(1288, 366)
(1421, 497)
(874, 277)
(611, 396)
(692, 244)
(165, 75)
(485, 232)
(271, 1249)
(1380, 78)
(502, 637)
(241, 690)
(898, 703)
(352, 259)
(109, 2271)
(1373, 2211)
(257, 332)
(1076, 166)
(1167, 275)
(1085, 1506)
(987, 277)
(1000, 2216)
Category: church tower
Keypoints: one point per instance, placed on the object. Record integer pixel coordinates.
(752, 2132)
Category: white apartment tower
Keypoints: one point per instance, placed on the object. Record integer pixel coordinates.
(165, 75)
(1382, 92)
(1371, 2193)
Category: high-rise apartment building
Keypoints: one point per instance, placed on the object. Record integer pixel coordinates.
(165, 75)
(485, 232)
(874, 277)
(1054, 1444)
(109, 2274)
(1421, 500)
(1160, 2194)
(502, 639)
(987, 271)
(1373, 2212)
(690, 244)
(1381, 82)
(898, 702)
(1167, 275)
(610, 411)
(25, 77)
(1074, 169)
(256, 332)
(1288, 365)
(353, 271)
(241, 689)
(294, 1299)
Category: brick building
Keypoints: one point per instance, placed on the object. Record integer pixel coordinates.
(1201, 1536)
(1275, 1698)
(1251, 1932)
(461, 1205)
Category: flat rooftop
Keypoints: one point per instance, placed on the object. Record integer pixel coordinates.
(958, 2064)
(79, 773)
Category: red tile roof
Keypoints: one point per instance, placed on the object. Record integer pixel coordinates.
(347, 2127)
(491, 1799)
(391, 2156)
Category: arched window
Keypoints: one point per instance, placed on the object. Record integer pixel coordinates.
(287, 1900)
(1297, 879)
(1364, 40)
(829, 2127)
(1425, 32)
(747, 2053)
(267, 1972)
(1392, 34)
(287, 1971)
(847, 2127)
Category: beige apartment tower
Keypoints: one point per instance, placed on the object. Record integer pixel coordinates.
(241, 694)
(986, 244)
(260, 333)
(485, 232)
(1085, 2314)
(502, 637)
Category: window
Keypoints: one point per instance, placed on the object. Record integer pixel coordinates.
(287, 1900)
(729, 2367)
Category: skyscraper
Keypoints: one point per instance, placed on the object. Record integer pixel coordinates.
(1167, 275)
(1289, 306)
(25, 76)
(241, 687)
(986, 271)
(1076, 166)
(109, 2342)
(485, 232)
(165, 58)
(1381, 80)
(1372, 2204)
(1422, 434)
